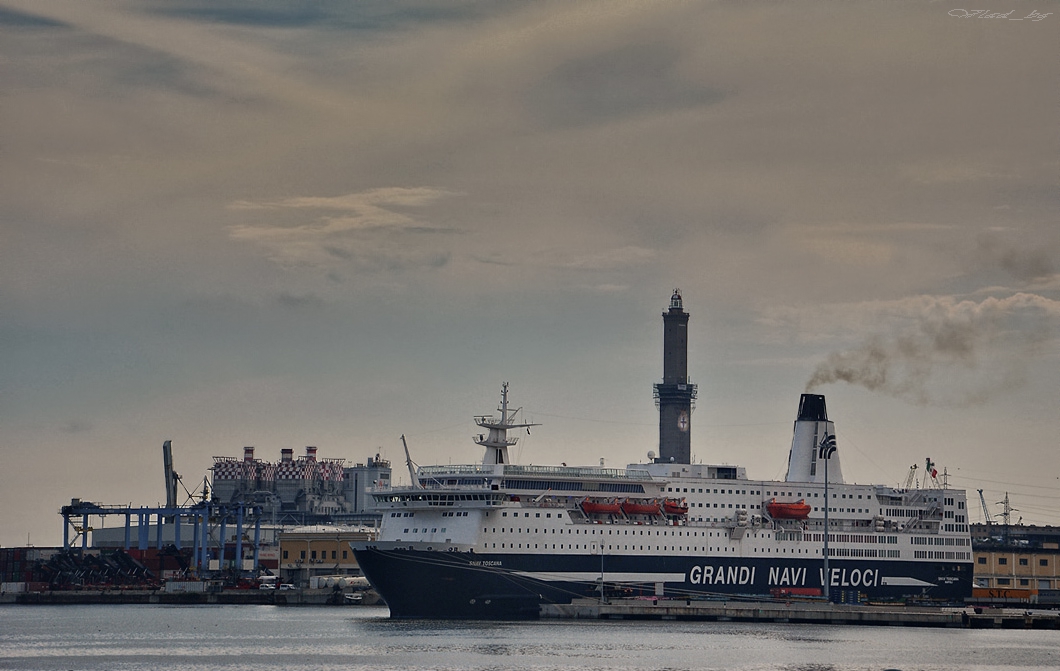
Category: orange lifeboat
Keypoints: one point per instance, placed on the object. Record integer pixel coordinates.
(631, 507)
(799, 510)
(590, 507)
(675, 507)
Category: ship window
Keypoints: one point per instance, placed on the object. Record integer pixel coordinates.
(1003, 581)
(303, 551)
(285, 554)
(1023, 561)
(504, 514)
(537, 514)
(1043, 562)
(1002, 560)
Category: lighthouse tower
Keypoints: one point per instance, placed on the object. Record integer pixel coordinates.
(675, 397)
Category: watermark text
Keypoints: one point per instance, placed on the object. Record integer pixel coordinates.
(990, 14)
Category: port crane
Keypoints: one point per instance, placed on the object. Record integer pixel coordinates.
(910, 480)
(986, 513)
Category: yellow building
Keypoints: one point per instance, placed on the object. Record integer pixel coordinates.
(306, 552)
(1014, 567)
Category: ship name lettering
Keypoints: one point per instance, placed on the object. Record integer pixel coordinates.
(486, 563)
(787, 576)
(854, 578)
(721, 575)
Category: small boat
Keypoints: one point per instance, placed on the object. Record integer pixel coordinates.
(799, 510)
(675, 507)
(631, 507)
(590, 507)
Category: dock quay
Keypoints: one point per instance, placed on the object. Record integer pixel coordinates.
(296, 597)
(802, 612)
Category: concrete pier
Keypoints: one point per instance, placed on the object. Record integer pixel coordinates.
(801, 612)
(296, 597)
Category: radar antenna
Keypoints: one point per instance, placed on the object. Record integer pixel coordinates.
(497, 441)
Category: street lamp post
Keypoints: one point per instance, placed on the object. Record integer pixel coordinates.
(825, 452)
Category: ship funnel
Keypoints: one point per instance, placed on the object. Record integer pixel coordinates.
(310, 453)
(248, 454)
(286, 454)
(812, 443)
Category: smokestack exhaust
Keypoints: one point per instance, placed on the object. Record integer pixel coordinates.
(812, 430)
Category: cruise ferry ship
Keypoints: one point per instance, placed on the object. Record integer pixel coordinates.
(496, 540)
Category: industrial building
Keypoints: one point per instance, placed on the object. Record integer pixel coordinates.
(1016, 563)
(313, 551)
(303, 490)
(234, 528)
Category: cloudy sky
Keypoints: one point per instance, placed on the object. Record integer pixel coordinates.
(284, 223)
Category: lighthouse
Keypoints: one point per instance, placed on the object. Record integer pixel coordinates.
(675, 397)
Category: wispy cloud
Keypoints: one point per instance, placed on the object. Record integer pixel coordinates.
(617, 258)
(76, 426)
(358, 227)
(1027, 264)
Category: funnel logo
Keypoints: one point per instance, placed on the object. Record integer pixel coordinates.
(827, 447)
(682, 421)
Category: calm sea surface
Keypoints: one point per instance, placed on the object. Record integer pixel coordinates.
(268, 637)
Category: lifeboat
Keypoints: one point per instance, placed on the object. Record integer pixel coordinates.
(799, 510)
(631, 507)
(590, 507)
(675, 507)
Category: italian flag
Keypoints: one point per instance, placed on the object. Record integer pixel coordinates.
(931, 467)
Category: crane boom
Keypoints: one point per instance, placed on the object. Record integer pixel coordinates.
(986, 513)
(413, 475)
(171, 476)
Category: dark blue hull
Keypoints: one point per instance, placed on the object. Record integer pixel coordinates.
(462, 585)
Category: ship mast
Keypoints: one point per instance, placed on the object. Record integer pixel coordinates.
(497, 441)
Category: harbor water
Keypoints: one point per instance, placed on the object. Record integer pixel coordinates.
(257, 638)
